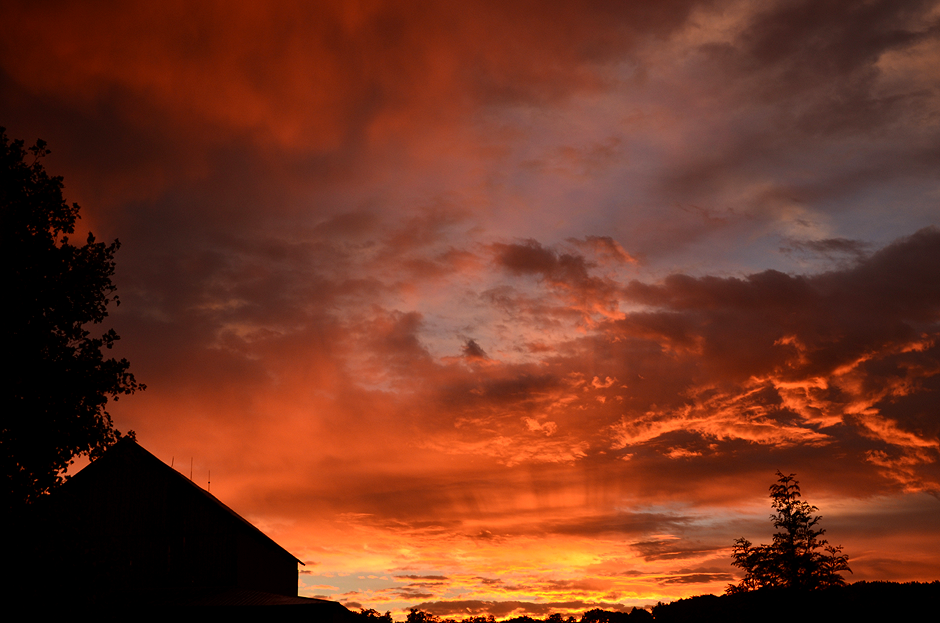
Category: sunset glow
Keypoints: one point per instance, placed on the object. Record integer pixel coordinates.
(516, 307)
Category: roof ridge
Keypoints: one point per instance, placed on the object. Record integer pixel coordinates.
(126, 445)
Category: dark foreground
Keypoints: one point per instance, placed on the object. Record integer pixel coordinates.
(861, 601)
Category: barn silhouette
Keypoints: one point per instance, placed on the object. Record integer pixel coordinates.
(141, 532)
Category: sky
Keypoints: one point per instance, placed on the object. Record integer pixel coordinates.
(515, 307)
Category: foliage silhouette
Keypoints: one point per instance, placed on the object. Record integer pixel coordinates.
(798, 558)
(416, 615)
(373, 616)
(861, 601)
(59, 382)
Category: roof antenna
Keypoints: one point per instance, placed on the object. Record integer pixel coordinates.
(190, 469)
(172, 458)
(209, 482)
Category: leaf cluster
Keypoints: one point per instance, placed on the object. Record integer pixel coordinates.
(798, 558)
(59, 381)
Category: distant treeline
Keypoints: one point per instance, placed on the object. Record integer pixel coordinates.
(592, 616)
(861, 601)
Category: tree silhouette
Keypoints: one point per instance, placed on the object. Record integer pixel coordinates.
(794, 559)
(58, 381)
(798, 557)
(416, 615)
(373, 616)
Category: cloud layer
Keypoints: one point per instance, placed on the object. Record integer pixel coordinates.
(516, 307)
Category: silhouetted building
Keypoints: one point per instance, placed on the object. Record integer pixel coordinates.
(129, 528)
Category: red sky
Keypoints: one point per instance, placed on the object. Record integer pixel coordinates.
(516, 307)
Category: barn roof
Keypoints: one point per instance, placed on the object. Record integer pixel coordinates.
(129, 461)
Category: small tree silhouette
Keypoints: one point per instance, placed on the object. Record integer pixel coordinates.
(798, 557)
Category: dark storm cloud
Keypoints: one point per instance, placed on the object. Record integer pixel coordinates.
(605, 247)
(531, 257)
(618, 523)
(806, 45)
(567, 273)
(409, 594)
(899, 281)
(816, 77)
(434, 578)
(698, 578)
(828, 248)
(799, 363)
(809, 354)
(397, 336)
(673, 550)
(472, 351)
(888, 298)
